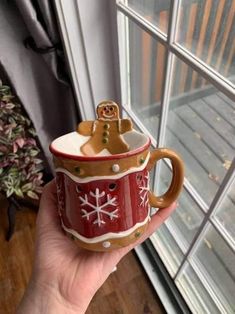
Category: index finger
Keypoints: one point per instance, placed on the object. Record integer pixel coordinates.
(48, 209)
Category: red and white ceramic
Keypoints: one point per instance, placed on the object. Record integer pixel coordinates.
(104, 200)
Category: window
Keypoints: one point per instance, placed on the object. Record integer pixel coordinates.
(177, 80)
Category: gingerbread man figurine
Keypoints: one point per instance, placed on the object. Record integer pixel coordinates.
(106, 132)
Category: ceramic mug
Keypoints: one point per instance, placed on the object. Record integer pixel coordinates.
(104, 201)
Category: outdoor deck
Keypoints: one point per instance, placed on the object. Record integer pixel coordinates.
(203, 133)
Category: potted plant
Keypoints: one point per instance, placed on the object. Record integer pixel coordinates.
(20, 168)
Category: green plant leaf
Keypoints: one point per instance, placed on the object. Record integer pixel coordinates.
(33, 152)
(12, 121)
(37, 168)
(37, 161)
(32, 195)
(32, 131)
(14, 171)
(13, 155)
(19, 193)
(3, 140)
(20, 169)
(27, 187)
(9, 192)
(7, 97)
(10, 105)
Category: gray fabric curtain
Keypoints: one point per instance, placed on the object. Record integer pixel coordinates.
(32, 58)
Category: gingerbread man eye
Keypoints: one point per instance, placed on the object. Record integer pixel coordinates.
(111, 108)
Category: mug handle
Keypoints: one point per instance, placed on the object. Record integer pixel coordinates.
(177, 177)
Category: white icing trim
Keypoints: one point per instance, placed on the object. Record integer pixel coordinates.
(94, 178)
(110, 235)
(108, 103)
(93, 127)
(119, 126)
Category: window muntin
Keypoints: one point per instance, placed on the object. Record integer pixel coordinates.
(156, 12)
(194, 292)
(225, 213)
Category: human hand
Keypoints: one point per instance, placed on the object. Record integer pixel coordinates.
(66, 277)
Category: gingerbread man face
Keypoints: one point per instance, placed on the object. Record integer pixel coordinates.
(108, 110)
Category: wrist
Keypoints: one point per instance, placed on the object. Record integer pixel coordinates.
(47, 299)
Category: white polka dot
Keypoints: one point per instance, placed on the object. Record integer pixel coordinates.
(106, 244)
(115, 168)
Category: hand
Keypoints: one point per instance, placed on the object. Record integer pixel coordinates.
(66, 277)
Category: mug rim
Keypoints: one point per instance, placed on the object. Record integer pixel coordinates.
(133, 152)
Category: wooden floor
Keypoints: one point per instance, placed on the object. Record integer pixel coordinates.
(126, 291)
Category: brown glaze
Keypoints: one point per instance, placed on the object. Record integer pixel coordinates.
(106, 131)
(177, 177)
(83, 169)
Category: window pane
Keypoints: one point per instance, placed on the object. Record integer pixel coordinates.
(168, 249)
(155, 11)
(201, 127)
(207, 29)
(216, 263)
(187, 217)
(147, 59)
(226, 213)
(194, 292)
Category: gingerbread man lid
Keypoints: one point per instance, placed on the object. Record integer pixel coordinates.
(107, 135)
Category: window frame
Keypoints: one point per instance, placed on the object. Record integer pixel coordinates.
(199, 66)
(215, 78)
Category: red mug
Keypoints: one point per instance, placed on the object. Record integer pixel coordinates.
(102, 177)
(104, 201)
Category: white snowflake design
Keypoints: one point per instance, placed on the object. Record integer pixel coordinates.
(97, 208)
(144, 189)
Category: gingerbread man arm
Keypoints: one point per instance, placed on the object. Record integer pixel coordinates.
(85, 128)
(126, 125)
